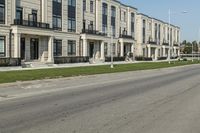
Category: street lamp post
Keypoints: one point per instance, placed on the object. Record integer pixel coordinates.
(192, 53)
(111, 47)
(169, 25)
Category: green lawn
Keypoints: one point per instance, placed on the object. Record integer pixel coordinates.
(13, 76)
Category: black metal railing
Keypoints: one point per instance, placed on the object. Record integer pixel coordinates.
(166, 44)
(152, 42)
(93, 32)
(176, 45)
(126, 36)
(31, 24)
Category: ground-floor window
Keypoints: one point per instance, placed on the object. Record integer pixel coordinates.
(57, 47)
(71, 47)
(2, 46)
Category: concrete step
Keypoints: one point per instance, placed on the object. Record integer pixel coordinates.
(36, 64)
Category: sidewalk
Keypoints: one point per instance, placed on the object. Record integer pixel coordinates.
(19, 68)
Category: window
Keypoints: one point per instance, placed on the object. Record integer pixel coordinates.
(33, 18)
(159, 35)
(132, 24)
(71, 48)
(72, 3)
(84, 5)
(72, 15)
(57, 14)
(105, 17)
(144, 31)
(90, 27)
(91, 6)
(57, 49)
(156, 32)
(2, 46)
(105, 9)
(71, 25)
(113, 19)
(2, 12)
(57, 22)
(19, 14)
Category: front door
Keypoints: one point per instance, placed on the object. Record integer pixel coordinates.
(34, 48)
(91, 49)
(22, 48)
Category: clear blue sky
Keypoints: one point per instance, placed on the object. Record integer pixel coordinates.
(189, 23)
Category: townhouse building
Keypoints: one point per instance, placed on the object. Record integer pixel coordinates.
(156, 39)
(73, 31)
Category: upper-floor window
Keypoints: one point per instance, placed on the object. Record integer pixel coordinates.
(159, 32)
(144, 31)
(113, 11)
(113, 19)
(104, 17)
(57, 14)
(2, 11)
(132, 23)
(84, 5)
(72, 15)
(105, 9)
(90, 26)
(156, 32)
(72, 3)
(19, 14)
(2, 46)
(91, 6)
(71, 47)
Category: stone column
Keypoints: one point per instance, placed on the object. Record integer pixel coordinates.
(122, 49)
(164, 52)
(50, 50)
(85, 51)
(17, 46)
(102, 50)
(149, 51)
(132, 48)
(13, 10)
(44, 11)
(156, 54)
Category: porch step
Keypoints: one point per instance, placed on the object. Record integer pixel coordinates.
(96, 61)
(36, 65)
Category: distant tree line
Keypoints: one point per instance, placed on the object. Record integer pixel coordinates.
(187, 47)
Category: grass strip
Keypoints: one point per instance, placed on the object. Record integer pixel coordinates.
(27, 75)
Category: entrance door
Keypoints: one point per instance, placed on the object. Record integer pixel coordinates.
(22, 48)
(34, 49)
(91, 49)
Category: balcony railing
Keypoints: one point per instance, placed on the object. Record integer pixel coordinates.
(31, 24)
(126, 36)
(176, 45)
(93, 32)
(166, 44)
(152, 42)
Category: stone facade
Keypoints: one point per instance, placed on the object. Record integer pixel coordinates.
(40, 30)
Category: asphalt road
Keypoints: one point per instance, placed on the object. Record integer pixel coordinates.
(155, 101)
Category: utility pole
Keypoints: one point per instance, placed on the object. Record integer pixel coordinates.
(111, 47)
